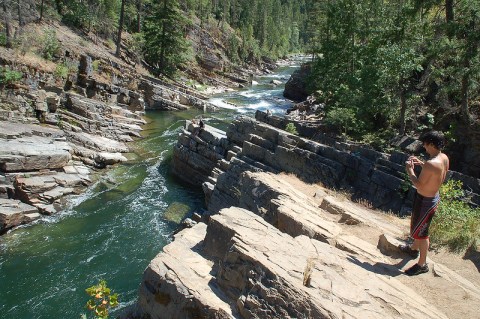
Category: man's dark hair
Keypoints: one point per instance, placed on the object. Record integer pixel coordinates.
(435, 138)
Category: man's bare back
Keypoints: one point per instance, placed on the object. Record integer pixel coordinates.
(434, 172)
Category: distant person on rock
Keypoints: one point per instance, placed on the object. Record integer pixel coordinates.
(201, 126)
(427, 197)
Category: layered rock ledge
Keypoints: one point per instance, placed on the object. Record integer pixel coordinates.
(261, 145)
(53, 138)
(241, 266)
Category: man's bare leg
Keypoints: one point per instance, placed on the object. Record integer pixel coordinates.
(415, 245)
(423, 245)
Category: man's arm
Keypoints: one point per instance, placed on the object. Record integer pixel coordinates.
(420, 181)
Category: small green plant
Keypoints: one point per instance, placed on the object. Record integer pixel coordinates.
(102, 300)
(95, 65)
(61, 71)
(3, 39)
(110, 44)
(290, 128)
(49, 44)
(8, 76)
(456, 224)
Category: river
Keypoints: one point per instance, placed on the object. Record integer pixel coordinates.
(120, 223)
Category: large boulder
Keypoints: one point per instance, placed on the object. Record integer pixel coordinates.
(14, 213)
(296, 86)
(33, 153)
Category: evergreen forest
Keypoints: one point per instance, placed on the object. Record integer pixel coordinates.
(379, 68)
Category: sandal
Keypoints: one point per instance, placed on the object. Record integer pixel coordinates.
(417, 270)
(409, 251)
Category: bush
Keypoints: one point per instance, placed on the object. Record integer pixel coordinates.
(456, 224)
(102, 300)
(341, 118)
(49, 45)
(8, 76)
(61, 71)
(290, 128)
(3, 39)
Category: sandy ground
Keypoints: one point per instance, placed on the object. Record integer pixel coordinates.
(447, 296)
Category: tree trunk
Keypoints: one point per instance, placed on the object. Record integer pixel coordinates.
(8, 27)
(164, 30)
(41, 11)
(21, 22)
(449, 17)
(139, 16)
(449, 11)
(120, 27)
(403, 111)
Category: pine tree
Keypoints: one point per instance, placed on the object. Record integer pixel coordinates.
(166, 47)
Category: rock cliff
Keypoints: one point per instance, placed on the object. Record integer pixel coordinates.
(270, 249)
(252, 145)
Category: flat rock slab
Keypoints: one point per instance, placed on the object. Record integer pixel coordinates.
(33, 153)
(14, 213)
(99, 143)
(48, 187)
(259, 269)
(11, 130)
(243, 267)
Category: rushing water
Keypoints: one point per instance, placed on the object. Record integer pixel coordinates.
(124, 219)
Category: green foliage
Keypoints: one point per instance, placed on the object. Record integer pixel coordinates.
(102, 300)
(137, 45)
(166, 47)
(232, 49)
(455, 224)
(61, 71)
(97, 16)
(95, 65)
(290, 128)
(3, 39)
(8, 76)
(49, 44)
(341, 118)
(405, 185)
(386, 60)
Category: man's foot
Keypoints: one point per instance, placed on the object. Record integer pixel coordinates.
(409, 251)
(416, 270)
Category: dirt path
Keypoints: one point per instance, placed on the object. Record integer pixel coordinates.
(447, 296)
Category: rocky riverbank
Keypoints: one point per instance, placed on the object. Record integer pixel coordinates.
(55, 135)
(279, 246)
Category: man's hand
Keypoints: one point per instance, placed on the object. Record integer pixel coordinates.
(415, 160)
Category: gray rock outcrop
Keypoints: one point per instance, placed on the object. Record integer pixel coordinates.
(14, 213)
(250, 145)
(295, 88)
(240, 266)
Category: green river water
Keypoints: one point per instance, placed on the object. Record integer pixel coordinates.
(119, 224)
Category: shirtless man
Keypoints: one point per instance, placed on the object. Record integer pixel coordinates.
(426, 198)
